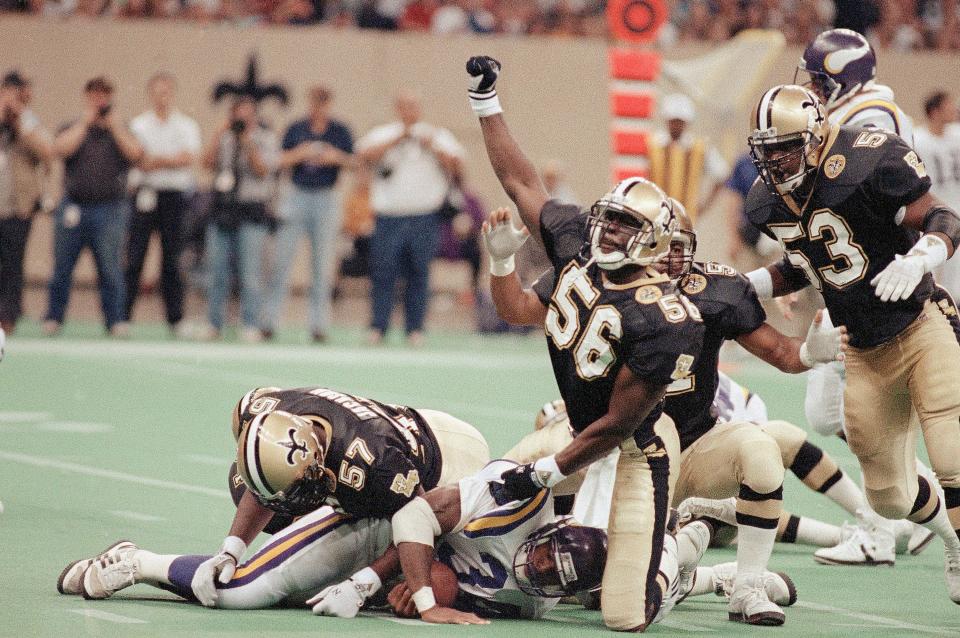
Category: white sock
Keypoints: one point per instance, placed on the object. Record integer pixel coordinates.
(928, 474)
(810, 531)
(153, 569)
(703, 582)
(940, 525)
(847, 495)
(754, 546)
(687, 551)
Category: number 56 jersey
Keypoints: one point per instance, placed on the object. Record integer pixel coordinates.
(850, 230)
(481, 548)
(594, 327)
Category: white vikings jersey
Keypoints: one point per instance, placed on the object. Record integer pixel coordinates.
(873, 106)
(480, 549)
(736, 403)
(941, 156)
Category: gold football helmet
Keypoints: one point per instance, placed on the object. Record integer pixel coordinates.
(683, 246)
(280, 460)
(549, 414)
(631, 225)
(790, 129)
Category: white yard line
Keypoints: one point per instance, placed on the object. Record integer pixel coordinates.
(879, 620)
(137, 516)
(206, 459)
(88, 470)
(24, 417)
(107, 616)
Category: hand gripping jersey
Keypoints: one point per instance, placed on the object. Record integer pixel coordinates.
(850, 230)
(480, 549)
(595, 327)
(381, 454)
(730, 308)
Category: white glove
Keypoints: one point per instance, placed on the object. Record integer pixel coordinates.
(502, 242)
(483, 71)
(824, 343)
(902, 275)
(217, 568)
(345, 599)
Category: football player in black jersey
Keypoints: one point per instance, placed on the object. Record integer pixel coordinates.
(618, 334)
(724, 459)
(852, 210)
(327, 461)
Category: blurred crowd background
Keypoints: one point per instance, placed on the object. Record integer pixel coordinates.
(900, 24)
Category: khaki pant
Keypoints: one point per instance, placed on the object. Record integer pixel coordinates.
(463, 450)
(919, 368)
(631, 596)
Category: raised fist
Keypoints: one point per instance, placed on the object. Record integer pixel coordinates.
(483, 71)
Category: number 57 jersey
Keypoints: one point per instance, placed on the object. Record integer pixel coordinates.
(850, 230)
(594, 327)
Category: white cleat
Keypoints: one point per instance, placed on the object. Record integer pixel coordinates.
(107, 575)
(70, 578)
(698, 533)
(869, 544)
(669, 572)
(724, 510)
(918, 540)
(749, 603)
(952, 573)
(779, 587)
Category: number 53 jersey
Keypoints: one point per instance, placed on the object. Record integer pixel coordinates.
(850, 230)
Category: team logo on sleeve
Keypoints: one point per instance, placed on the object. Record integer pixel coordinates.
(834, 166)
(648, 294)
(915, 163)
(696, 283)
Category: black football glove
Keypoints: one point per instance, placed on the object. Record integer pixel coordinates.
(484, 72)
(520, 483)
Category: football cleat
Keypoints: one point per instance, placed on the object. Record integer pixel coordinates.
(724, 510)
(70, 578)
(952, 573)
(107, 575)
(869, 544)
(699, 533)
(779, 587)
(912, 538)
(750, 604)
(669, 571)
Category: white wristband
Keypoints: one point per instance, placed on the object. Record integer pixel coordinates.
(931, 250)
(805, 357)
(234, 546)
(547, 472)
(485, 104)
(367, 580)
(762, 282)
(503, 267)
(423, 598)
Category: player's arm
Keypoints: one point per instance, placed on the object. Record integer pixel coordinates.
(515, 305)
(822, 345)
(415, 528)
(777, 279)
(345, 599)
(516, 173)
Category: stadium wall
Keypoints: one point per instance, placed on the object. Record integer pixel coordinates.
(554, 90)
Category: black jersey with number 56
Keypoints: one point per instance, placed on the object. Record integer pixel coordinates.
(381, 454)
(595, 327)
(850, 230)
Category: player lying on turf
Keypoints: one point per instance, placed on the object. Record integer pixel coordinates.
(719, 459)
(513, 558)
(298, 450)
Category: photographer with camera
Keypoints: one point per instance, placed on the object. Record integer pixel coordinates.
(97, 151)
(243, 156)
(414, 165)
(25, 155)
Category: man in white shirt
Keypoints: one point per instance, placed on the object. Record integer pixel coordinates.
(938, 144)
(414, 165)
(165, 180)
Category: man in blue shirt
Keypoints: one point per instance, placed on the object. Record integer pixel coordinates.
(315, 149)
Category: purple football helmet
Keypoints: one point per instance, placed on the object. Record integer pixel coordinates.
(839, 61)
(561, 559)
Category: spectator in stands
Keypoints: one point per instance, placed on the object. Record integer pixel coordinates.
(414, 163)
(98, 151)
(165, 184)
(686, 166)
(25, 154)
(315, 149)
(243, 156)
(938, 144)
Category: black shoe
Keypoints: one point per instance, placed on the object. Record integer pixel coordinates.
(319, 337)
(267, 334)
